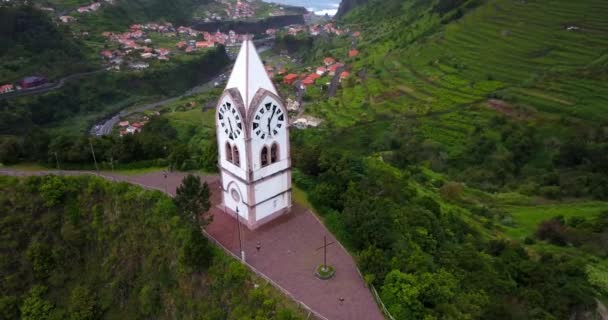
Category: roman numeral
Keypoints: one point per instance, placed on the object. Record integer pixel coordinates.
(268, 106)
(258, 132)
(274, 107)
(221, 116)
(257, 117)
(281, 118)
(255, 125)
(279, 125)
(263, 135)
(226, 131)
(239, 125)
(274, 132)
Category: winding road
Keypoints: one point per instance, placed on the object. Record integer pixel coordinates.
(47, 86)
(105, 127)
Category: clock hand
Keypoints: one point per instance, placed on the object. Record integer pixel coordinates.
(270, 119)
(230, 123)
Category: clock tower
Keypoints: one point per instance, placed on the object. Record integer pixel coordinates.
(253, 143)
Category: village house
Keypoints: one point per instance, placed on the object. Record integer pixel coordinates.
(7, 88)
(162, 52)
(334, 68)
(290, 78)
(66, 19)
(329, 61)
(353, 53)
(139, 65)
(89, 8)
(107, 54)
(123, 124)
(204, 44)
(321, 71)
(344, 75)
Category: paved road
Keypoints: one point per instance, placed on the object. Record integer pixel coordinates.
(105, 127)
(288, 254)
(48, 86)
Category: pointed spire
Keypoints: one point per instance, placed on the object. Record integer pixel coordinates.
(248, 74)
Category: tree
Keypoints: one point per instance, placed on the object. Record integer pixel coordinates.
(9, 150)
(192, 200)
(179, 156)
(82, 304)
(196, 252)
(35, 307)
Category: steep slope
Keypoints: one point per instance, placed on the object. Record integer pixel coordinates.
(30, 43)
(466, 130)
(84, 248)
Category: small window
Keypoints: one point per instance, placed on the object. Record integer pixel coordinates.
(264, 157)
(237, 158)
(228, 152)
(274, 153)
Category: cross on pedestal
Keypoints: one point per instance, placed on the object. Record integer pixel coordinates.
(324, 247)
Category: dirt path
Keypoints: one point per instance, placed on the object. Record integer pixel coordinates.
(288, 254)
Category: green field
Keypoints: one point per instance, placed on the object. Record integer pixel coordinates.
(527, 218)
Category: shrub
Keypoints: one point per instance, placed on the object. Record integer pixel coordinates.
(552, 230)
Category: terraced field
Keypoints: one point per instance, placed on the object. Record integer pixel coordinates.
(544, 57)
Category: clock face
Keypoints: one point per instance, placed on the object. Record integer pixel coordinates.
(268, 120)
(230, 121)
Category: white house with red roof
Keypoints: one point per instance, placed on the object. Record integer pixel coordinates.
(329, 61)
(7, 88)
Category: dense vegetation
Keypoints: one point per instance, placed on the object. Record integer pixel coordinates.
(25, 33)
(84, 248)
(468, 123)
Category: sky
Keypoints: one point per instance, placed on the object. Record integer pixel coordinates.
(320, 7)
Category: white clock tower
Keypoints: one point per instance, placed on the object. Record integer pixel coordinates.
(253, 143)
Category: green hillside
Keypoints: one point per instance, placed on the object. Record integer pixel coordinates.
(84, 248)
(464, 161)
(31, 43)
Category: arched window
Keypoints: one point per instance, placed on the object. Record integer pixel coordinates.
(228, 152)
(264, 156)
(237, 159)
(274, 153)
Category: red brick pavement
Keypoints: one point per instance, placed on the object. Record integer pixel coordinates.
(289, 257)
(288, 254)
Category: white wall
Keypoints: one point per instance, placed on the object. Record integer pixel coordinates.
(271, 187)
(273, 205)
(228, 183)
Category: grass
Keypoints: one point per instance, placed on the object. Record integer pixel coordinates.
(300, 197)
(189, 122)
(527, 218)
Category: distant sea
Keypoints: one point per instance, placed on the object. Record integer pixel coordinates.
(320, 7)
